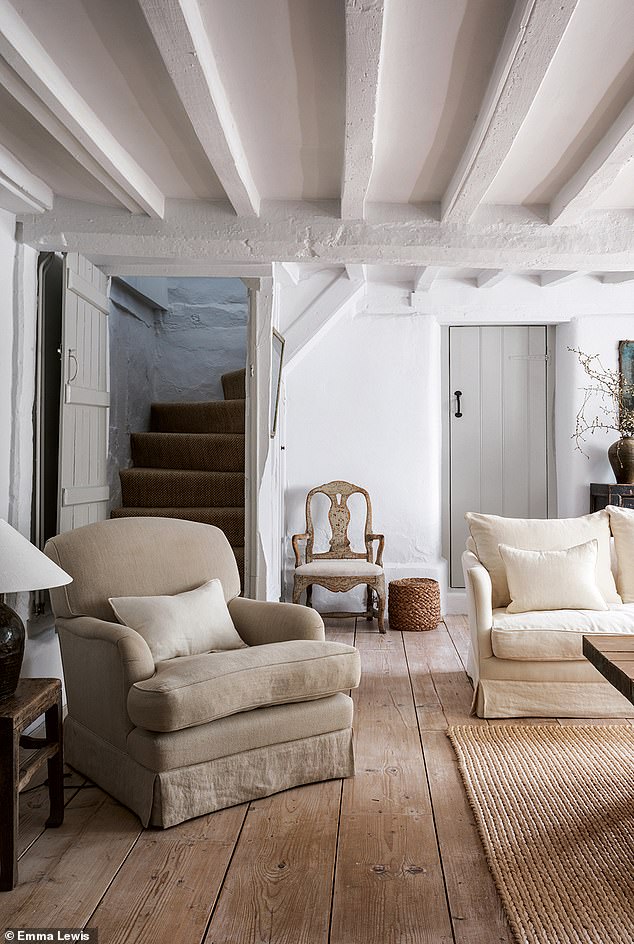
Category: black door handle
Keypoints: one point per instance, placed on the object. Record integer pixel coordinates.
(457, 394)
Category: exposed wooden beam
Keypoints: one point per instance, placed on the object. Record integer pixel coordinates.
(320, 316)
(490, 277)
(600, 169)
(207, 233)
(364, 38)
(612, 278)
(28, 58)
(181, 36)
(533, 35)
(357, 272)
(425, 277)
(558, 277)
(28, 192)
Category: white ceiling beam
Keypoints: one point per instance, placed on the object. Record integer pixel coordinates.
(533, 35)
(357, 272)
(425, 276)
(45, 117)
(598, 172)
(490, 277)
(613, 278)
(558, 277)
(30, 191)
(208, 233)
(320, 316)
(184, 44)
(364, 42)
(28, 58)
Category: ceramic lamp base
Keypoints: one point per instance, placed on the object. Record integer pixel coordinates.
(12, 637)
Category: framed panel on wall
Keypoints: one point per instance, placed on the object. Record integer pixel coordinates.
(277, 357)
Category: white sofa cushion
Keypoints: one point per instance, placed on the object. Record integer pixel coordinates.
(622, 524)
(553, 580)
(554, 635)
(540, 534)
(184, 624)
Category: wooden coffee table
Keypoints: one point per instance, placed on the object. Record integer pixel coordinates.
(613, 656)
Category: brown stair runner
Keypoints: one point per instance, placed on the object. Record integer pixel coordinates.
(204, 452)
(191, 464)
(213, 416)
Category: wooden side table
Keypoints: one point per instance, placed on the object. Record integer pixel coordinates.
(610, 494)
(32, 698)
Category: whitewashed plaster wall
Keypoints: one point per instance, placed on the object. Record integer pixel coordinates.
(7, 259)
(364, 406)
(174, 352)
(365, 403)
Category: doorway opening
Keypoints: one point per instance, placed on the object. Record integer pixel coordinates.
(178, 351)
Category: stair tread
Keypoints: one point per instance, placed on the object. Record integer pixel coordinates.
(194, 451)
(181, 488)
(233, 384)
(207, 416)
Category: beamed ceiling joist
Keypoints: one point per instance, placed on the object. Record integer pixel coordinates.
(533, 35)
(178, 29)
(364, 42)
(31, 195)
(197, 233)
(598, 172)
(48, 88)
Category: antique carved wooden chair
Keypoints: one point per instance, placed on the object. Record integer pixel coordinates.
(340, 568)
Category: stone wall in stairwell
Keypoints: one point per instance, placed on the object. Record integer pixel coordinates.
(171, 339)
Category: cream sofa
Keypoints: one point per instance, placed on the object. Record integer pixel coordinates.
(200, 732)
(525, 664)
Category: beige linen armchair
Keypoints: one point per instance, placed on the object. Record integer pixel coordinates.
(196, 733)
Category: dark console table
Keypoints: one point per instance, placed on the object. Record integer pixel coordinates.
(602, 495)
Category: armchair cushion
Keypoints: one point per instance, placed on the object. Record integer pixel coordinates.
(339, 568)
(554, 635)
(194, 690)
(536, 534)
(183, 624)
(553, 580)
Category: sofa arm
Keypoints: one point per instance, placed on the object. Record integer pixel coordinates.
(479, 597)
(101, 661)
(259, 622)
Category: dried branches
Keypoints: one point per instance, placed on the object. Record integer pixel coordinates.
(614, 396)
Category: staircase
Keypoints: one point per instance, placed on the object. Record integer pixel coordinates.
(191, 464)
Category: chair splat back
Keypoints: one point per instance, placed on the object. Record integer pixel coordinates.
(338, 492)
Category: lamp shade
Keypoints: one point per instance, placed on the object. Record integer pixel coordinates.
(23, 566)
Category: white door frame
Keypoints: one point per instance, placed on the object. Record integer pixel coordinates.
(260, 500)
(456, 597)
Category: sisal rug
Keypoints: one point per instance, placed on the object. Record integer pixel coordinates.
(555, 810)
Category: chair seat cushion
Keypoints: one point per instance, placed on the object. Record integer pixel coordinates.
(339, 568)
(194, 690)
(554, 635)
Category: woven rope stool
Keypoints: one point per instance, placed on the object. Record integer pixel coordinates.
(414, 604)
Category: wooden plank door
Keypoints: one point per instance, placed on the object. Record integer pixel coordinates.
(83, 481)
(499, 444)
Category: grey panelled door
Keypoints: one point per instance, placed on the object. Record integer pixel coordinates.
(499, 432)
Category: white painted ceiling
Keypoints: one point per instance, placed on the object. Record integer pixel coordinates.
(380, 110)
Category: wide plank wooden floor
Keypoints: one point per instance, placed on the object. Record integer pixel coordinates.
(390, 856)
